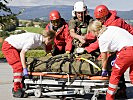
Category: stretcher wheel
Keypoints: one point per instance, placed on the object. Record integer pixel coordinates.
(94, 98)
(38, 92)
(26, 86)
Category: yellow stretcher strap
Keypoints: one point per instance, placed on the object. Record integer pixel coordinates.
(87, 60)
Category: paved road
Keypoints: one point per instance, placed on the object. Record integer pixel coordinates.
(6, 85)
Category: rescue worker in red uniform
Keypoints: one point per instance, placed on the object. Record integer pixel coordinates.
(109, 18)
(14, 49)
(114, 39)
(63, 40)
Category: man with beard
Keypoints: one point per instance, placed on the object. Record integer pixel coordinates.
(78, 24)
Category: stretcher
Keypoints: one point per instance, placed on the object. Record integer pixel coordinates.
(62, 84)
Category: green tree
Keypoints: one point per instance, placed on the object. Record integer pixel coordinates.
(7, 17)
(43, 24)
(31, 23)
(4, 9)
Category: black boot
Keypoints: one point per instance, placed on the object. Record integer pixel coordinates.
(121, 94)
(19, 93)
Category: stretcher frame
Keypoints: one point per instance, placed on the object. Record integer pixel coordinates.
(65, 85)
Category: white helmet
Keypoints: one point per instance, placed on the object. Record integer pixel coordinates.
(80, 6)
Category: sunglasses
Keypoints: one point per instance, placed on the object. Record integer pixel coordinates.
(55, 21)
(103, 18)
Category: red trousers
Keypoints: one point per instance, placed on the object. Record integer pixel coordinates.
(124, 60)
(13, 58)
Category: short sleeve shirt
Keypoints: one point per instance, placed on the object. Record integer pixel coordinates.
(114, 39)
(26, 41)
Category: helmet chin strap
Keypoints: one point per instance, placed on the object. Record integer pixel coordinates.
(83, 14)
(83, 17)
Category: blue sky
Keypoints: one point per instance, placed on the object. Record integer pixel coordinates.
(121, 5)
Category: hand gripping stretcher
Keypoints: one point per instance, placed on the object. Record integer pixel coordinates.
(62, 84)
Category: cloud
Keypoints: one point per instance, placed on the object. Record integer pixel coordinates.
(112, 4)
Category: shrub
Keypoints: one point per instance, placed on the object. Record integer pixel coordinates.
(31, 29)
(4, 34)
(30, 53)
(0, 46)
(35, 53)
(1, 55)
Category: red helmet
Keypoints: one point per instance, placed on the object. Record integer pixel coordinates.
(101, 11)
(54, 14)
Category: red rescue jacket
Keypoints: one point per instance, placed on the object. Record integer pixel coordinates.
(63, 40)
(113, 20)
(93, 44)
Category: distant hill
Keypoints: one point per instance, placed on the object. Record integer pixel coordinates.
(32, 12)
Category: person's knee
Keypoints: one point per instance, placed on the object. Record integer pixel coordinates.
(17, 67)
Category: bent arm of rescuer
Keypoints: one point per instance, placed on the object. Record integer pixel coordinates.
(22, 57)
(104, 60)
(92, 47)
(74, 35)
(68, 41)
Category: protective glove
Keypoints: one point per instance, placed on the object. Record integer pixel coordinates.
(104, 73)
(112, 62)
(80, 50)
(67, 52)
(49, 54)
(25, 72)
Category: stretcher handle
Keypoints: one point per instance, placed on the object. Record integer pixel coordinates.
(66, 76)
